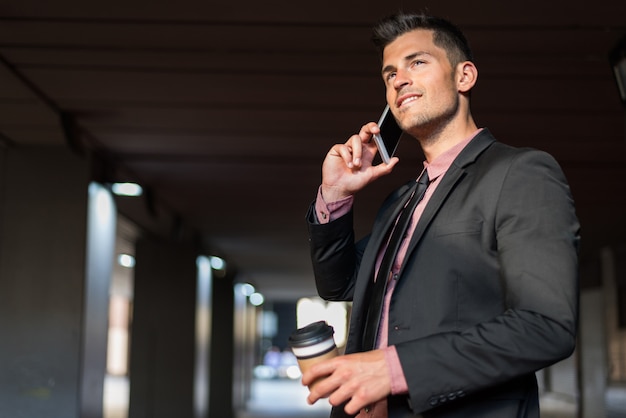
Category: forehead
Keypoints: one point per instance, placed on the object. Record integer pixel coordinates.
(418, 40)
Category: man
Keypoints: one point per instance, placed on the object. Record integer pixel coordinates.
(483, 291)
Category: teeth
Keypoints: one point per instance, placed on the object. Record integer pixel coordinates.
(409, 99)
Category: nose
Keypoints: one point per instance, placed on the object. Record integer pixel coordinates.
(401, 79)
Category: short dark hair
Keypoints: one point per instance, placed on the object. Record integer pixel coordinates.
(445, 34)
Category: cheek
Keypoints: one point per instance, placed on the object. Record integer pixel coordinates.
(390, 95)
(444, 95)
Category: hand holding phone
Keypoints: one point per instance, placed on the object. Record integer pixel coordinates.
(389, 137)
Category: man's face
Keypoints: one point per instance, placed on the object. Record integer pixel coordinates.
(420, 82)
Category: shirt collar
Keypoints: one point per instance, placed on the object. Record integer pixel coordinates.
(440, 165)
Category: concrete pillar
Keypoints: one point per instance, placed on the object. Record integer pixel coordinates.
(163, 330)
(222, 349)
(100, 256)
(43, 220)
(593, 362)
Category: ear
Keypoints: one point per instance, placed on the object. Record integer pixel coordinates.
(467, 75)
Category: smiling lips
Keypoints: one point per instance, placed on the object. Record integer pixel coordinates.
(407, 98)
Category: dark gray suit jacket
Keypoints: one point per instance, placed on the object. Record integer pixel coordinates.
(488, 293)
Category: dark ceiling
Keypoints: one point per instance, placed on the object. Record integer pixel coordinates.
(225, 110)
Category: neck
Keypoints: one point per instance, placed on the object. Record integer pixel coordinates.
(438, 139)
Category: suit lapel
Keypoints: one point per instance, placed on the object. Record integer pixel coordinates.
(451, 177)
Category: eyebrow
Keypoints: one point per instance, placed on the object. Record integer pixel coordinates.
(389, 68)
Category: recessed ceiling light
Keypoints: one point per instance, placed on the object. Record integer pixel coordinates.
(127, 189)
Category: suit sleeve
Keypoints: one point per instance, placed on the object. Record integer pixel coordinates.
(335, 256)
(536, 235)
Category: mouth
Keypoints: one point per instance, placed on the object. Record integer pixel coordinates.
(407, 98)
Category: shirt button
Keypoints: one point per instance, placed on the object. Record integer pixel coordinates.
(395, 276)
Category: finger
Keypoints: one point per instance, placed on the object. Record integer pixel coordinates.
(329, 379)
(318, 370)
(315, 392)
(359, 394)
(344, 393)
(320, 388)
(343, 151)
(353, 406)
(321, 379)
(368, 130)
(367, 133)
(356, 144)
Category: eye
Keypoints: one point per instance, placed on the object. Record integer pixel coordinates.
(416, 63)
(390, 76)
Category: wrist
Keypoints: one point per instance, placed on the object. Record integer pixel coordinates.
(332, 194)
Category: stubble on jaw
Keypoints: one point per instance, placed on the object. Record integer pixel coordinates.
(428, 129)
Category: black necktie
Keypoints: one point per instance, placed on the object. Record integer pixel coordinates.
(377, 289)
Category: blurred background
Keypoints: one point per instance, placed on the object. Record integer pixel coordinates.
(157, 159)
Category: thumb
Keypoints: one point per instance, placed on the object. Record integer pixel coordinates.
(383, 169)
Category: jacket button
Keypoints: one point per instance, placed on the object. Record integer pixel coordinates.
(434, 401)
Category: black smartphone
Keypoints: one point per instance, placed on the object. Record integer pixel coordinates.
(389, 137)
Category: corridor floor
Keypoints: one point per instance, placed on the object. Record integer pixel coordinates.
(287, 399)
(282, 398)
